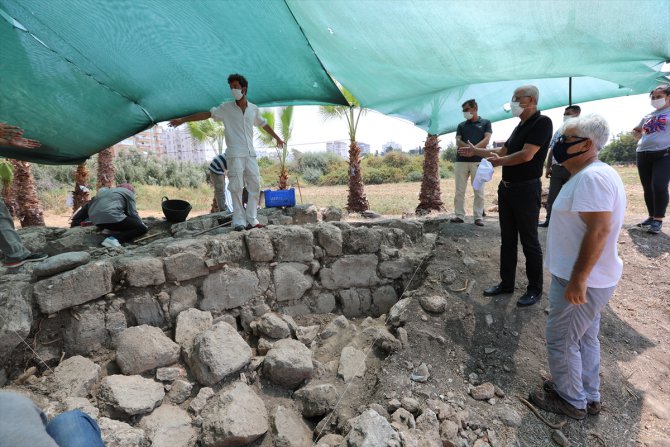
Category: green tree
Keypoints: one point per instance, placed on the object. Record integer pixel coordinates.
(284, 131)
(620, 150)
(356, 200)
(210, 131)
(214, 133)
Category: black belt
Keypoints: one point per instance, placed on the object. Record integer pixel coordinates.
(522, 183)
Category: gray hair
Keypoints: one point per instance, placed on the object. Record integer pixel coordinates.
(591, 126)
(532, 91)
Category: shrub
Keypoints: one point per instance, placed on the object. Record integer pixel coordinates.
(414, 176)
(620, 150)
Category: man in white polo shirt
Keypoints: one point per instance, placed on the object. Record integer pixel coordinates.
(239, 118)
(585, 268)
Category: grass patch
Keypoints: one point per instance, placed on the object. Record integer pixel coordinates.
(389, 198)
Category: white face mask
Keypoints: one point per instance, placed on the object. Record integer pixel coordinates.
(658, 103)
(467, 115)
(516, 108)
(237, 93)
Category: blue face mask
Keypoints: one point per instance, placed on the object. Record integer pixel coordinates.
(561, 148)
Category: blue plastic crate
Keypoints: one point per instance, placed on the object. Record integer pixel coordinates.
(285, 197)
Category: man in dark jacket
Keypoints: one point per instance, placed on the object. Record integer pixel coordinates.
(114, 209)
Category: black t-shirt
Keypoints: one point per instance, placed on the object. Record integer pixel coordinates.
(474, 132)
(536, 130)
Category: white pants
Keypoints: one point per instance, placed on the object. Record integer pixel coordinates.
(243, 172)
(463, 170)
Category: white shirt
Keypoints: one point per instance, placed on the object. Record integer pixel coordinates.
(595, 188)
(239, 127)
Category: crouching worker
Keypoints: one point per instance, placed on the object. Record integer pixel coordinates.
(23, 424)
(114, 209)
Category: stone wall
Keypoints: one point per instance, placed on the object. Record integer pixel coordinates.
(355, 270)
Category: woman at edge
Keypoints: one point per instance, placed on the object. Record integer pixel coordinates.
(653, 158)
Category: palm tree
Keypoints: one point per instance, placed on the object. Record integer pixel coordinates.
(106, 169)
(30, 211)
(286, 128)
(212, 132)
(356, 202)
(429, 197)
(80, 195)
(7, 177)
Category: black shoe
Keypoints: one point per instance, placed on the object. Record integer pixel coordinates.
(544, 224)
(479, 222)
(239, 228)
(498, 290)
(456, 220)
(528, 299)
(645, 223)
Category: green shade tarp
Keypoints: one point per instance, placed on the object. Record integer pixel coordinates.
(420, 60)
(81, 75)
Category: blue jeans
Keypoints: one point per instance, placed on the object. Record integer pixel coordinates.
(573, 348)
(75, 429)
(23, 424)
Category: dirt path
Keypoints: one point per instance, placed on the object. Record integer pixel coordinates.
(505, 345)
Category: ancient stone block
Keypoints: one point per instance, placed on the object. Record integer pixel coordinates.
(16, 315)
(142, 271)
(350, 271)
(290, 281)
(293, 244)
(186, 265)
(74, 287)
(228, 288)
(259, 244)
(330, 238)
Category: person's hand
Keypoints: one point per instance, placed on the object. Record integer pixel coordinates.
(466, 151)
(575, 292)
(495, 159)
(9, 132)
(25, 143)
(176, 122)
(547, 172)
(280, 143)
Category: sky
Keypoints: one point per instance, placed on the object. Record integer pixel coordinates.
(311, 132)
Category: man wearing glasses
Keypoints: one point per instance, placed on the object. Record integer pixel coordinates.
(519, 193)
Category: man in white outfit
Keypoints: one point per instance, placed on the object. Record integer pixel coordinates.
(585, 268)
(239, 118)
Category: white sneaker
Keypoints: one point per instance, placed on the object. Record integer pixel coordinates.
(106, 232)
(111, 242)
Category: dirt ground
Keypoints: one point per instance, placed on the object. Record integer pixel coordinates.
(505, 345)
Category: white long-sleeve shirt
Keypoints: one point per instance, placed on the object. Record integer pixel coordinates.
(239, 127)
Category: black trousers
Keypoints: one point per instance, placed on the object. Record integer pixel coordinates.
(559, 177)
(126, 230)
(519, 213)
(654, 171)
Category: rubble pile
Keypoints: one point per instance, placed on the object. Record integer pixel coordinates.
(269, 337)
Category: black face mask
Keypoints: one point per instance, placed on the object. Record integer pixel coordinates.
(561, 149)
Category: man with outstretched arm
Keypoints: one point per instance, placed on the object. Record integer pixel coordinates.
(239, 117)
(519, 193)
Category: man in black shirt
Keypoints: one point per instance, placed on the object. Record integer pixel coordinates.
(475, 130)
(522, 158)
